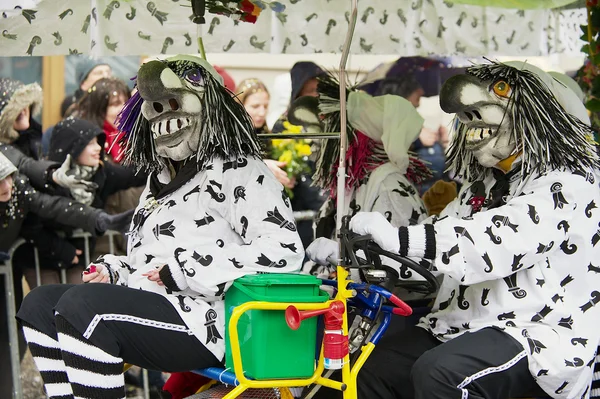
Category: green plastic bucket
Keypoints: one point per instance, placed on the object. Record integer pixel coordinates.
(269, 348)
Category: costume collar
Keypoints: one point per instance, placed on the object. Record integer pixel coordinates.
(185, 174)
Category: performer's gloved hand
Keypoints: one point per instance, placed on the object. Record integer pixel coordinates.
(61, 178)
(382, 232)
(321, 249)
(119, 222)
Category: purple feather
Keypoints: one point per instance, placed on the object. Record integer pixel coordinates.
(130, 113)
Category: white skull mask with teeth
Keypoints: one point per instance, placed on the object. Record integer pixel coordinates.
(175, 114)
(489, 135)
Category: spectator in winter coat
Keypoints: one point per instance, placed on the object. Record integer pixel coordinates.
(20, 136)
(254, 96)
(81, 144)
(17, 200)
(101, 105)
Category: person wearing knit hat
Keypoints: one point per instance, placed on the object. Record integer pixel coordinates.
(87, 72)
(7, 169)
(80, 144)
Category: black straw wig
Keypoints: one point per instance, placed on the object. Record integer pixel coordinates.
(547, 136)
(227, 129)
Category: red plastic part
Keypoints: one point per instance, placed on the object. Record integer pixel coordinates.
(401, 309)
(335, 344)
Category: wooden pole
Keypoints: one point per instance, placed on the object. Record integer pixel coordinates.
(53, 83)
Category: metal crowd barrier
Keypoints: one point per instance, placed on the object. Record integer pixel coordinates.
(6, 270)
(11, 311)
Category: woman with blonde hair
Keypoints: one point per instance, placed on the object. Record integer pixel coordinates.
(254, 96)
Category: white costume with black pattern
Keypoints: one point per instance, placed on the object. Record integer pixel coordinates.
(499, 271)
(210, 231)
(518, 249)
(211, 212)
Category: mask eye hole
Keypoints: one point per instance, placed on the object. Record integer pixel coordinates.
(194, 76)
(502, 88)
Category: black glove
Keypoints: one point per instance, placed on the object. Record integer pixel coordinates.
(119, 222)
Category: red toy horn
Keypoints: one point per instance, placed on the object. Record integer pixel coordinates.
(293, 317)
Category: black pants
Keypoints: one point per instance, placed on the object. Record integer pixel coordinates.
(412, 363)
(149, 332)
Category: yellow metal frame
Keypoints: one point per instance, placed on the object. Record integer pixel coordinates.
(349, 375)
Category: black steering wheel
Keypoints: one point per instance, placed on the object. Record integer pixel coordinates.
(352, 243)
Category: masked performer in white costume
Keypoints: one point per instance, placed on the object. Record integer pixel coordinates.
(211, 212)
(518, 306)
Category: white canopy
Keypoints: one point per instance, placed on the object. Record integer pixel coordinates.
(401, 27)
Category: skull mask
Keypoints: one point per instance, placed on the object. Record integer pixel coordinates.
(515, 109)
(181, 110)
(173, 107)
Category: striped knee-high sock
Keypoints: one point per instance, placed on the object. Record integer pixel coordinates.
(48, 359)
(595, 392)
(93, 373)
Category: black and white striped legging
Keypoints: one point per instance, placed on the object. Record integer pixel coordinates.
(80, 336)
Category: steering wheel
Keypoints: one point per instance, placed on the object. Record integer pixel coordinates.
(352, 243)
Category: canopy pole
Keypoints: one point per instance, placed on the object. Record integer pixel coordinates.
(341, 172)
(200, 42)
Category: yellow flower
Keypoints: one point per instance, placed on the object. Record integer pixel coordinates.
(286, 156)
(303, 149)
(289, 128)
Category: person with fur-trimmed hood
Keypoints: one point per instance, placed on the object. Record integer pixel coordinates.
(517, 309)
(21, 134)
(211, 212)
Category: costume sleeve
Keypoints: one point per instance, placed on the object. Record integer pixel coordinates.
(498, 242)
(396, 201)
(60, 209)
(38, 172)
(256, 207)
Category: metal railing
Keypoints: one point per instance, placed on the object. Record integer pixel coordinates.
(6, 269)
